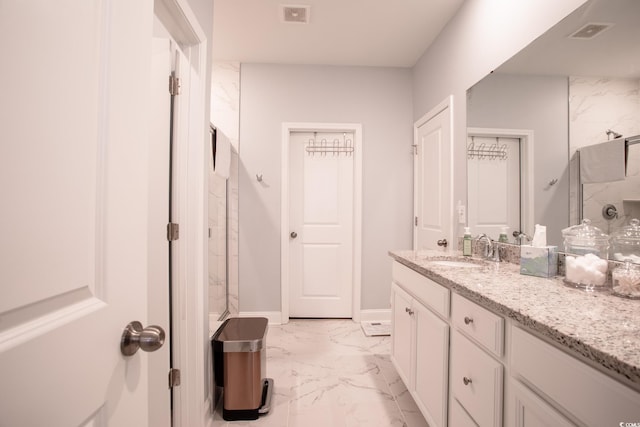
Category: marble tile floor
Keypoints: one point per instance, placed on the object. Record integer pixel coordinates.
(327, 373)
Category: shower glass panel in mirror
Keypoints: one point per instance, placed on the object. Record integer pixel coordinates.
(220, 202)
(566, 90)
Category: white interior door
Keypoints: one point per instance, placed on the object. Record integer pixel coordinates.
(493, 184)
(321, 229)
(73, 184)
(432, 179)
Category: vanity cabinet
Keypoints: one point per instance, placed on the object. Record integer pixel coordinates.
(420, 341)
(576, 389)
(465, 365)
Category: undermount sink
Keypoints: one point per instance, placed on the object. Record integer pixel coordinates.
(456, 264)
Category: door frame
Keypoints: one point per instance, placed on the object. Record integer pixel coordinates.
(446, 104)
(526, 168)
(189, 329)
(287, 128)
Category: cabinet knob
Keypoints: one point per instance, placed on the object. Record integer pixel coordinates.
(466, 380)
(408, 310)
(468, 320)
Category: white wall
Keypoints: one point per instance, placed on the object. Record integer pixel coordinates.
(482, 35)
(379, 99)
(537, 103)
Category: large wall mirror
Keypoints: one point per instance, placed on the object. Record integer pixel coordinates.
(575, 86)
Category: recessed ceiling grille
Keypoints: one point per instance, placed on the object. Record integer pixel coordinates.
(297, 14)
(589, 31)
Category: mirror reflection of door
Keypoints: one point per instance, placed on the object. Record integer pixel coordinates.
(493, 182)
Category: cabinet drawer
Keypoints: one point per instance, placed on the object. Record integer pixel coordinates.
(427, 291)
(588, 394)
(478, 323)
(476, 381)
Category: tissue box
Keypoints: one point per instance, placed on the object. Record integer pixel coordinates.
(541, 262)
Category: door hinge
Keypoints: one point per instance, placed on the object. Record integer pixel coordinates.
(415, 149)
(174, 377)
(173, 231)
(174, 85)
(415, 221)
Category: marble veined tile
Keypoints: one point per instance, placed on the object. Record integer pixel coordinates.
(328, 373)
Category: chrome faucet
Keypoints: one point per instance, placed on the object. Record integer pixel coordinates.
(520, 236)
(490, 249)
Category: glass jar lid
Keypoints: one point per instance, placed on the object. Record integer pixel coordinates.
(629, 235)
(585, 234)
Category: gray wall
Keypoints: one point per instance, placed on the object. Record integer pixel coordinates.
(379, 99)
(540, 104)
(482, 35)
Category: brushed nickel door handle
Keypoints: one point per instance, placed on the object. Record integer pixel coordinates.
(135, 337)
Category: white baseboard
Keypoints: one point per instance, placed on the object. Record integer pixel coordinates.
(375, 315)
(274, 317)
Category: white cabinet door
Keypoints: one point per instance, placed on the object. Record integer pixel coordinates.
(401, 333)
(531, 411)
(431, 365)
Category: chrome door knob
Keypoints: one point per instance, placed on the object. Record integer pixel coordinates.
(135, 337)
(442, 242)
(293, 234)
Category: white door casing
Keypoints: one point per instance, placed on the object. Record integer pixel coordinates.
(74, 188)
(321, 219)
(320, 294)
(524, 186)
(433, 181)
(192, 398)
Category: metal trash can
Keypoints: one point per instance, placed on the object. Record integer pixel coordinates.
(239, 366)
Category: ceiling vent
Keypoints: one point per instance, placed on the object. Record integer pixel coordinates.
(589, 31)
(295, 14)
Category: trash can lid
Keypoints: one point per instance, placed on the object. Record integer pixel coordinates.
(241, 334)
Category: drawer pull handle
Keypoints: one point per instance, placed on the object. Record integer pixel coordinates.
(466, 380)
(468, 320)
(408, 310)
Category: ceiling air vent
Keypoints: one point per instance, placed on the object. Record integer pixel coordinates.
(589, 31)
(297, 14)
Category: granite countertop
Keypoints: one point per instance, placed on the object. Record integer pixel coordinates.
(600, 327)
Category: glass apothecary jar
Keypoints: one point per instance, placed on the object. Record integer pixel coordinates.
(625, 243)
(625, 246)
(586, 263)
(626, 280)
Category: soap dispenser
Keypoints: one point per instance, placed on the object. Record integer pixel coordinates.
(503, 238)
(466, 242)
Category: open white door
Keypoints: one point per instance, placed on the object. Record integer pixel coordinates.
(73, 183)
(432, 179)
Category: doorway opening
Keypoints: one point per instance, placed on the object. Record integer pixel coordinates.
(500, 180)
(321, 220)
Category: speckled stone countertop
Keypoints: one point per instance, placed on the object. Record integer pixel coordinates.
(602, 328)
